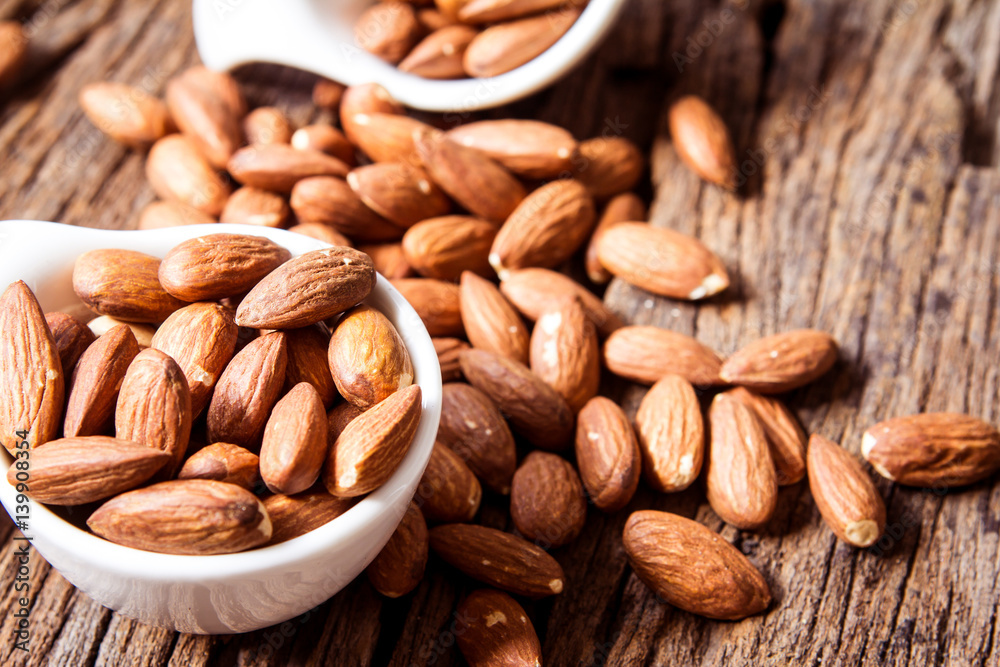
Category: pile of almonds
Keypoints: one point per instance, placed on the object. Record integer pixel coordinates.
(472, 225)
(453, 39)
(227, 397)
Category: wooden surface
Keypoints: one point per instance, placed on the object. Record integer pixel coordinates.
(875, 216)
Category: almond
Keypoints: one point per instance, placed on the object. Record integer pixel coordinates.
(278, 167)
(785, 438)
(492, 629)
(494, 11)
(337, 420)
(439, 55)
(189, 516)
(212, 267)
(437, 303)
(224, 462)
(445, 247)
(626, 207)
(547, 502)
(432, 19)
(161, 214)
(247, 390)
(844, 493)
(565, 353)
(741, 483)
(387, 30)
(645, 354)
(508, 45)
(267, 125)
(782, 362)
(490, 322)
(608, 166)
(498, 559)
(399, 567)
(201, 338)
(321, 232)
(363, 99)
(327, 94)
(385, 137)
(607, 453)
(545, 229)
(307, 361)
(330, 201)
(96, 382)
(474, 180)
(208, 107)
(71, 337)
(935, 449)
(13, 51)
(126, 114)
(450, 8)
(449, 490)
(372, 445)
(177, 171)
(123, 284)
(388, 259)
(400, 193)
(448, 351)
(76, 471)
(253, 206)
(534, 409)
(325, 139)
(143, 332)
(529, 148)
(671, 434)
(535, 291)
(368, 358)
(693, 568)
(702, 141)
(294, 445)
(154, 408)
(473, 427)
(308, 289)
(294, 516)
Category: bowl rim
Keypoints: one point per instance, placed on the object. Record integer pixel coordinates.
(92, 550)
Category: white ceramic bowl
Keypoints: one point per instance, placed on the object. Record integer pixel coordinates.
(317, 35)
(232, 592)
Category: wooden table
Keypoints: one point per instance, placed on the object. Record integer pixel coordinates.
(868, 134)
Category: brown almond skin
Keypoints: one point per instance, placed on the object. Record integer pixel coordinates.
(693, 568)
(702, 140)
(373, 444)
(535, 291)
(547, 501)
(545, 229)
(607, 454)
(645, 354)
(399, 567)
(212, 267)
(439, 54)
(128, 115)
(844, 493)
(325, 139)
(661, 261)
(197, 517)
(388, 259)
(326, 94)
(493, 630)
(177, 171)
(13, 52)
(71, 337)
(154, 408)
(224, 462)
(449, 491)
(785, 437)
(529, 148)
(321, 232)
(96, 381)
(671, 434)
(470, 177)
(508, 45)
(123, 284)
(162, 214)
(565, 353)
(444, 247)
(278, 167)
(366, 98)
(294, 444)
(741, 483)
(608, 166)
(534, 408)
(76, 471)
(208, 107)
(253, 206)
(625, 207)
(437, 303)
(201, 338)
(330, 201)
(491, 322)
(247, 391)
(267, 125)
(368, 358)
(337, 420)
(498, 559)
(294, 516)
(402, 194)
(935, 449)
(387, 30)
(308, 289)
(494, 11)
(448, 351)
(782, 362)
(385, 137)
(307, 362)
(473, 427)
